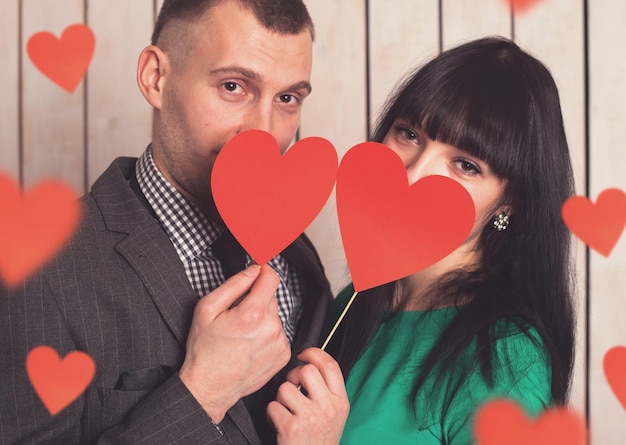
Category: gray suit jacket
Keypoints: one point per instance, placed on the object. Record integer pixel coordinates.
(119, 292)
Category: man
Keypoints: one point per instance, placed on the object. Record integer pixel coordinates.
(173, 363)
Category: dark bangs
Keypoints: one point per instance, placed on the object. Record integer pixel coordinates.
(471, 100)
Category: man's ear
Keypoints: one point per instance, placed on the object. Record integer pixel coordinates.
(152, 67)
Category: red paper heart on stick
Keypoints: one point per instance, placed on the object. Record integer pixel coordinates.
(267, 200)
(598, 225)
(58, 382)
(390, 229)
(614, 364)
(503, 422)
(33, 226)
(64, 60)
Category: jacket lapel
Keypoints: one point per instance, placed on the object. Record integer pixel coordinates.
(162, 274)
(147, 248)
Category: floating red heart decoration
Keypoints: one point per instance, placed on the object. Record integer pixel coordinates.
(390, 229)
(267, 200)
(59, 382)
(598, 225)
(33, 226)
(614, 364)
(520, 6)
(503, 422)
(64, 60)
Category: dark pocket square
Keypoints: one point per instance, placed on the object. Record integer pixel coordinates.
(143, 379)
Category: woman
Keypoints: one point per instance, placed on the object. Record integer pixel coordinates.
(494, 318)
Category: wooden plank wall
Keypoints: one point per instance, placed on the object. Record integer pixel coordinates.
(362, 49)
(606, 157)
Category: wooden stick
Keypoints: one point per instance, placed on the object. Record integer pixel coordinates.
(332, 331)
(343, 314)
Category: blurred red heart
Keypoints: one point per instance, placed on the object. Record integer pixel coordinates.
(614, 364)
(59, 382)
(598, 225)
(64, 60)
(503, 422)
(267, 200)
(33, 226)
(520, 6)
(390, 229)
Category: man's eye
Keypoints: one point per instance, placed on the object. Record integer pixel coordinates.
(231, 87)
(288, 99)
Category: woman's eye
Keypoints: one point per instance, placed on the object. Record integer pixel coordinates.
(407, 133)
(468, 167)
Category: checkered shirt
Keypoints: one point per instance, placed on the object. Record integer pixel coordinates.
(192, 235)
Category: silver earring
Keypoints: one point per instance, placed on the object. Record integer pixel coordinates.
(501, 222)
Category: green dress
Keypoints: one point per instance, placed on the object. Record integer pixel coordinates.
(381, 380)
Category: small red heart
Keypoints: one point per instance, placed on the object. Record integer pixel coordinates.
(64, 60)
(615, 371)
(34, 226)
(59, 382)
(390, 229)
(598, 225)
(503, 422)
(267, 200)
(520, 6)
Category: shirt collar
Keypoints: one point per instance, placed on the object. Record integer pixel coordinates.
(190, 231)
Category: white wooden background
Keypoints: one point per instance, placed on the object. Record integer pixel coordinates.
(361, 50)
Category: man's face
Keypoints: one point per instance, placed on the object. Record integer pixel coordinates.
(236, 76)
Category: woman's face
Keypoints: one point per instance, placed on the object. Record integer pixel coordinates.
(423, 157)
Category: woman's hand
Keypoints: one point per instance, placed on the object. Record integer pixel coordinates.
(318, 417)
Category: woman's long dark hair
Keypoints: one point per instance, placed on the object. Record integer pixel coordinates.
(498, 103)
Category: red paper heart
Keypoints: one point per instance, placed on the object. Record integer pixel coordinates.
(503, 422)
(615, 371)
(600, 225)
(58, 382)
(65, 60)
(34, 226)
(267, 200)
(520, 6)
(390, 229)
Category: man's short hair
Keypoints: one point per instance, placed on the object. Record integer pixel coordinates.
(281, 16)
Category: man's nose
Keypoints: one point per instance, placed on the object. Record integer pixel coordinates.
(258, 117)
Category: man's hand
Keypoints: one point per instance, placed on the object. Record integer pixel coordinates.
(233, 352)
(318, 417)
